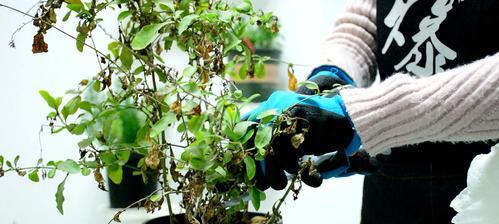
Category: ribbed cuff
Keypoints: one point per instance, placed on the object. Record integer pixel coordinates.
(367, 107)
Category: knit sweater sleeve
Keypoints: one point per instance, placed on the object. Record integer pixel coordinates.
(351, 45)
(460, 104)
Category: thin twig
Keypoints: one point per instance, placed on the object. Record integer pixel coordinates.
(143, 199)
(69, 35)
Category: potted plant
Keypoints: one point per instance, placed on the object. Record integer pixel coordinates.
(127, 111)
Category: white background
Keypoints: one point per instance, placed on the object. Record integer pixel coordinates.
(22, 112)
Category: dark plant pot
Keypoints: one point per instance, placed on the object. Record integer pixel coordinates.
(269, 83)
(180, 219)
(132, 188)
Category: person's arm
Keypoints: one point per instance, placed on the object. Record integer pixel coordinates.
(460, 104)
(351, 45)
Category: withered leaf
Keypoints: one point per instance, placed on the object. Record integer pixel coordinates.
(153, 158)
(292, 81)
(259, 220)
(197, 110)
(99, 179)
(176, 107)
(39, 45)
(297, 140)
(116, 217)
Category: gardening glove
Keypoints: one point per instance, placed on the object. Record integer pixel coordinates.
(326, 77)
(321, 125)
(336, 164)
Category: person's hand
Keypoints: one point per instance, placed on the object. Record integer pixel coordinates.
(319, 124)
(337, 164)
(327, 77)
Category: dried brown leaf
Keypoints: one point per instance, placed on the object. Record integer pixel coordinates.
(176, 107)
(297, 140)
(99, 179)
(116, 217)
(39, 45)
(153, 158)
(197, 110)
(259, 220)
(292, 81)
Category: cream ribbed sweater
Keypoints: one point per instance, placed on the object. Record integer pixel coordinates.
(460, 104)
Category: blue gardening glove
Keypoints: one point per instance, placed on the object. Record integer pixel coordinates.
(336, 164)
(328, 126)
(326, 77)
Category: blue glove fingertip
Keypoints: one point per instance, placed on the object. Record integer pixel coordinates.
(330, 70)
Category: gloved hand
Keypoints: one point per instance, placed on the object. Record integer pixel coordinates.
(321, 120)
(337, 164)
(326, 77)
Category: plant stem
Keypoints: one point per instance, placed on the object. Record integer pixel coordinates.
(141, 200)
(163, 160)
(275, 210)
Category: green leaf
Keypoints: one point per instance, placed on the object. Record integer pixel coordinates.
(126, 57)
(85, 171)
(241, 129)
(244, 6)
(96, 86)
(185, 22)
(75, 7)
(237, 94)
(86, 106)
(256, 197)
(58, 102)
(233, 41)
(123, 156)
(310, 85)
(155, 197)
(77, 129)
(242, 71)
(69, 166)
(85, 143)
(48, 98)
(66, 17)
(267, 116)
(220, 170)
(196, 123)
(123, 15)
(189, 71)
(33, 176)
(107, 157)
(260, 69)
(114, 47)
(71, 107)
(209, 16)
(115, 173)
(59, 197)
(80, 41)
(16, 159)
(73, 1)
(250, 167)
(167, 5)
(263, 136)
(1, 162)
(51, 173)
(146, 35)
(162, 124)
